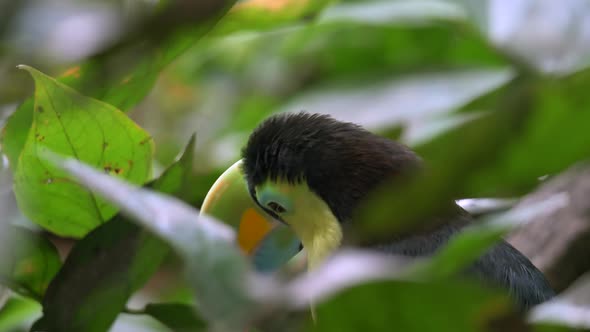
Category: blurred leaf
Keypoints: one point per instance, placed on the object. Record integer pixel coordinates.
(15, 132)
(215, 267)
(301, 63)
(266, 14)
(563, 318)
(475, 240)
(412, 306)
(17, 313)
(372, 52)
(102, 271)
(570, 310)
(125, 257)
(176, 316)
(4, 295)
(549, 327)
(28, 261)
(557, 127)
(415, 98)
(125, 73)
(449, 160)
(483, 206)
(174, 180)
(84, 128)
(551, 36)
(402, 12)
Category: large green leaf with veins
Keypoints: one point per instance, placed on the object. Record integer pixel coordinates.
(84, 128)
(126, 255)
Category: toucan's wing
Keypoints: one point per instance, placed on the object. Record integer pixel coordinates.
(506, 267)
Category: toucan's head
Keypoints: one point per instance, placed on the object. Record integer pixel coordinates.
(310, 171)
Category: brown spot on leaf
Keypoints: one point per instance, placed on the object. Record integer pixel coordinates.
(105, 145)
(107, 168)
(118, 171)
(40, 109)
(145, 140)
(26, 267)
(74, 71)
(130, 163)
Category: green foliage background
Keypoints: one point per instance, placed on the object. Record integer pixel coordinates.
(492, 113)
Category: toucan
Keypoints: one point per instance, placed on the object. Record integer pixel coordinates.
(299, 181)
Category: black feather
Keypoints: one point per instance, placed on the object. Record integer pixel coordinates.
(341, 162)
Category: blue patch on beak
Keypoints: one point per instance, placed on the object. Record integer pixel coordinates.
(275, 250)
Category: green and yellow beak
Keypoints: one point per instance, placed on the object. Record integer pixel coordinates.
(268, 243)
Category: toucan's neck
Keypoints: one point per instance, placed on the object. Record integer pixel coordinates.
(321, 235)
(311, 218)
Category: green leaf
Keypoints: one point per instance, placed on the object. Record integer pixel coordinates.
(15, 132)
(123, 75)
(267, 14)
(28, 261)
(215, 268)
(569, 311)
(402, 12)
(177, 317)
(88, 130)
(554, 327)
(103, 270)
(557, 127)
(175, 179)
(412, 306)
(519, 28)
(451, 158)
(18, 313)
(432, 95)
(475, 240)
(392, 50)
(125, 257)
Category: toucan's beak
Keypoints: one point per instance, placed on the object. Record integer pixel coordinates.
(269, 243)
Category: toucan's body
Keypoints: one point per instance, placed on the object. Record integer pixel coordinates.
(502, 266)
(311, 172)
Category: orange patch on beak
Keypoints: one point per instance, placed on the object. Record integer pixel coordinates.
(253, 228)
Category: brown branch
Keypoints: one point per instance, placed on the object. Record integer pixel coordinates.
(559, 244)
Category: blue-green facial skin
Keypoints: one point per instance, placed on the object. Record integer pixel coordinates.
(310, 218)
(267, 194)
(275, 250)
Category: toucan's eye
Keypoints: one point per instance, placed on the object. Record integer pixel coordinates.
(276, 207)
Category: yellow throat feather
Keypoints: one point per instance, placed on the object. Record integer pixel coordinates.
(309, 216)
